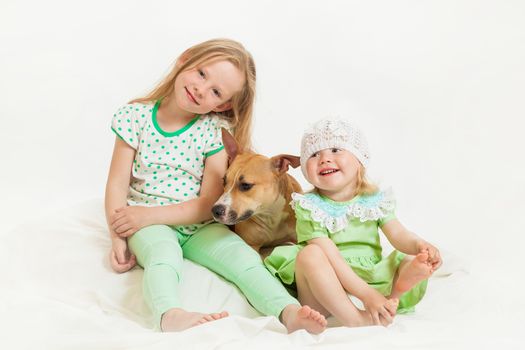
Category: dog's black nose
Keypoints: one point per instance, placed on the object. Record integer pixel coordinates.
(218, 210)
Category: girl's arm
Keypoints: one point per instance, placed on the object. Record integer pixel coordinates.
(116, 194)
(129, 220)
(351, 282)
(198, 209)
(409, 243)
(402, 239)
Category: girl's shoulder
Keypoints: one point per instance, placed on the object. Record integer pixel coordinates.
(215, 121)
(137, 111)
(136, 107)
(130, 121)
(335, 215)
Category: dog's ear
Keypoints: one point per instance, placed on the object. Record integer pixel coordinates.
(230, 145)
(283, 161)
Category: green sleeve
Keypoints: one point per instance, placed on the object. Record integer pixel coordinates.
(127, 124)
(214, 136)
(306, 227)
(390, 216)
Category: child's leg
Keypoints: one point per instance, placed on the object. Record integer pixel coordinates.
(222, 251)
(410, 272)
(319, 287)
(158, 251)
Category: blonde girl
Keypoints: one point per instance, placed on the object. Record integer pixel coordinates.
(166, 172)
(339, 249)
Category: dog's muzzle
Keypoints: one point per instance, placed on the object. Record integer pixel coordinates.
(224, 215)
(221, 213)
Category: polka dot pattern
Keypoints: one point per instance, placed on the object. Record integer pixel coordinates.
(168, 166)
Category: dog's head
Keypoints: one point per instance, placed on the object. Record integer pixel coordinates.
(251, 183)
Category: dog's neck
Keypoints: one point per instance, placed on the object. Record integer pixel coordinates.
(272, 216)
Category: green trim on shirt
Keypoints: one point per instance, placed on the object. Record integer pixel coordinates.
(170, 134)
(211, 153)
(115, 131)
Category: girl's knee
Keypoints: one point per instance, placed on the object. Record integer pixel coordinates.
(151, 235)
(237, 256)
(167, 252)
(216, 244)
(311, 255)
(230, 260)
(154, 241)
(216, 235)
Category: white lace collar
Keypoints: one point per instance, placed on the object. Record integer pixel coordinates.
(335, 216)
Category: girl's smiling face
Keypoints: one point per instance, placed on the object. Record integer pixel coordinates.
(333, 171)
(208, 87)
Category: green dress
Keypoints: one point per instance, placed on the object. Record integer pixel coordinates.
(354, 228)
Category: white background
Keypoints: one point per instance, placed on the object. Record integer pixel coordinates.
(437, 86)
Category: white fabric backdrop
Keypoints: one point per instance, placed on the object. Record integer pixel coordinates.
(436, 85)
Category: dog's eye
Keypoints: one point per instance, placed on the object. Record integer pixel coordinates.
(244, 186)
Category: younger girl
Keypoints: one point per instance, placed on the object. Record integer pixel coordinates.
(166, 173)
(337, 231)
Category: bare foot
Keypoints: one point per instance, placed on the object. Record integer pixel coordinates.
(303, 317)
(417, 270)
(176, 320)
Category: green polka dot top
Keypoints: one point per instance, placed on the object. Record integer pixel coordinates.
(168, 166)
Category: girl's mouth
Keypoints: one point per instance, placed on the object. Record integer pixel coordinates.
(328, 172)
(190, 96)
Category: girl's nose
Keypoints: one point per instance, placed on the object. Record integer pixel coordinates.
(324, 158)
(197, 91)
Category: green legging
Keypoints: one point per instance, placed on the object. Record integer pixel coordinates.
(160, 249)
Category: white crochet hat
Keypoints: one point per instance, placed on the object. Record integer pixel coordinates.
(333, 133)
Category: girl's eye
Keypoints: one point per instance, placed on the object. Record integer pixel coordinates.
(335, 150)
(316, 154)
(201, 73)
(216, 93)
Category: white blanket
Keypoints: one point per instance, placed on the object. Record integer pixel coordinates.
(59, 292)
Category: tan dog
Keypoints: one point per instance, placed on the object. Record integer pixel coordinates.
(257, 193)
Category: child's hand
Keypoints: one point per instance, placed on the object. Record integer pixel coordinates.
(377, 305)
(128, 220)
(120, 258)
(434, 258)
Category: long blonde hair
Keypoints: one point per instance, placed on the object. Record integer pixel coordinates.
(240, 115)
